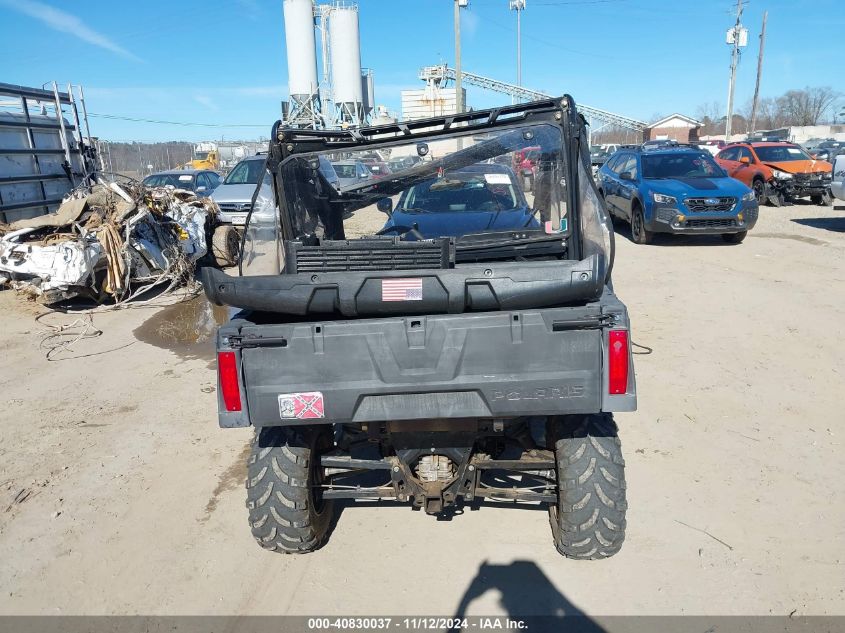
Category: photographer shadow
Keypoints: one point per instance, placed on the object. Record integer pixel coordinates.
(526, 592)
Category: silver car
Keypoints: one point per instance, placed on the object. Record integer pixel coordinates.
(234, 196)
(351, 172)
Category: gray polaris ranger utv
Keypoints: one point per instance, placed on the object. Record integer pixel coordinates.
(437, 336)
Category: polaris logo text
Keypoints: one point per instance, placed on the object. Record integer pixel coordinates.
(541, 393)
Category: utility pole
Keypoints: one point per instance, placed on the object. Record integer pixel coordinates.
(734, 37)
(759, 74)
(459, 95)
(519, 7)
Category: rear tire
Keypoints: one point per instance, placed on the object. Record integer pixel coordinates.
(734, 238)
(225, 244)
(286, 511)
(639, 234)
(588, 522)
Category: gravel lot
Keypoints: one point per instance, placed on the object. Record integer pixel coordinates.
(119, 494)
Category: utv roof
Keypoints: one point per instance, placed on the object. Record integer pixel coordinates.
(306, 140)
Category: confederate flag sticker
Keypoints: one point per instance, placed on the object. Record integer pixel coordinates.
(301, 406)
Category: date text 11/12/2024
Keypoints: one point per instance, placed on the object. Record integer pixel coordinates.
(416, 624)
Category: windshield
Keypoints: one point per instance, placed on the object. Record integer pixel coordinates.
(202, 155)
(480, 188)
(464, 186)
(681, 165)
(781, 153)
(247, 172)
(180, 181)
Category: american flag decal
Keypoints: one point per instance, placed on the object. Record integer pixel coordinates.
(301, 406)
(401, 289)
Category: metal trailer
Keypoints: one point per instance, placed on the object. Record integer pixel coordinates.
(43, 153)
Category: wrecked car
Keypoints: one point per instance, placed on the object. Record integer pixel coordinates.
(444, 360)
(105, 242)
(778, 172)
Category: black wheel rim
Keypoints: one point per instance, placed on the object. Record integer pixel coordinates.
(759, 191)
(636, 225)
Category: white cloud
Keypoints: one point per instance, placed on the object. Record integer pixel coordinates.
(64, 22)
(206, 101)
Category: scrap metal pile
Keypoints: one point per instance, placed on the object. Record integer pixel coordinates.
(107, 242)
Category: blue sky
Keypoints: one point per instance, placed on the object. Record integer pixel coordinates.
(222, 62)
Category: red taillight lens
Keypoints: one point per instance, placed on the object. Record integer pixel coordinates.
(227, 370)
(617, 361)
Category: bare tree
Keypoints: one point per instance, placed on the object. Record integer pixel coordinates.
(806, 107)
(712, 117)
(769, 115)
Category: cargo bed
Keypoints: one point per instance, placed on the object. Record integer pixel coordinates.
(477, 365)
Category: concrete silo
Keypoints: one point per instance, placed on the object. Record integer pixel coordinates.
(303, 85)
(345, 54)
(368, 90)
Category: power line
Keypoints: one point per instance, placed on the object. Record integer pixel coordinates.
(182, 123)
(544, 42)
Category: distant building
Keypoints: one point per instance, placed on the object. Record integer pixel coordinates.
(429, 102)
(675, 127)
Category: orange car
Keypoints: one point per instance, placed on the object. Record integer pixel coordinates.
(778, 172)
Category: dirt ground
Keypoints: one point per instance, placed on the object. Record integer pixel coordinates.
(119, 494)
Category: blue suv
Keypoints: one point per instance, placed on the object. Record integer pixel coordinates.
(676, 190)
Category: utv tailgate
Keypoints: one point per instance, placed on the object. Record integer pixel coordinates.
(500, 364)
(467, 288)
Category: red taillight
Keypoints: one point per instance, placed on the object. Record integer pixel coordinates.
(227, 370)
(617, 361)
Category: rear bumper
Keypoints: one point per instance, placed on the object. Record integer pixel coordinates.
(484, 365)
